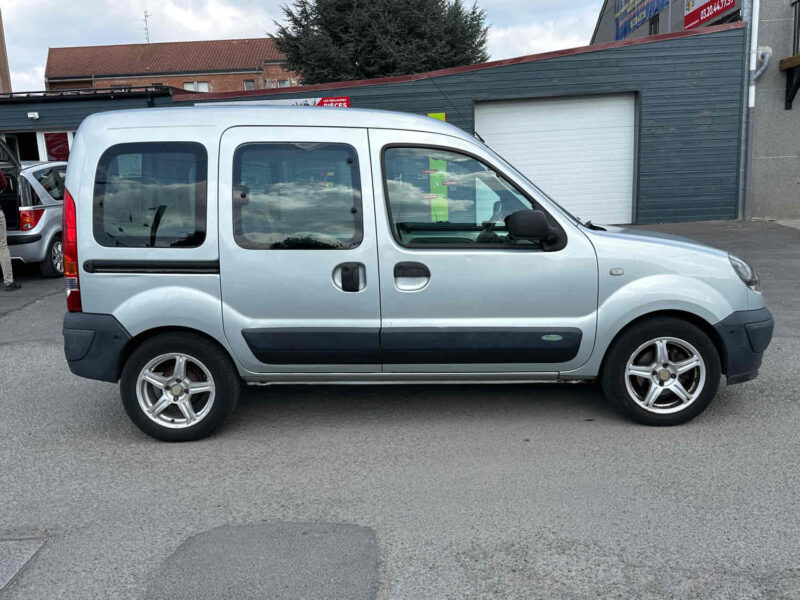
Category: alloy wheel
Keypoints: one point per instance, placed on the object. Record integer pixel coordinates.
(665, 375)
(175, 390)
(57, 256)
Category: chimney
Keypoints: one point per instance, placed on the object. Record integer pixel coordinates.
(5, 76)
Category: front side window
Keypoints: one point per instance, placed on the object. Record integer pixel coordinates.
(151, 195)
(301, 196)
(444, 198)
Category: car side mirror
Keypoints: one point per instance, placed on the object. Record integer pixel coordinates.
(529, 225)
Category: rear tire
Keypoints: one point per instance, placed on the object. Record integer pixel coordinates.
(179, 387)
(53, 264)
(661, 371)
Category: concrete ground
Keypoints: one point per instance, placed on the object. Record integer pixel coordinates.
(404, 492)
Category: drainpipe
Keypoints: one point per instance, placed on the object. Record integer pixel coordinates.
(753, 73)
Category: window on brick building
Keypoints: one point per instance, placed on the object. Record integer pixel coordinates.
(196, 86)
(249, 84)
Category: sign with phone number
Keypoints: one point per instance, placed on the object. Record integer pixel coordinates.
(698, 12)
(630, 14)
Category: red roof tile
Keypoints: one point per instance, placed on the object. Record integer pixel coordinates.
(161, 58)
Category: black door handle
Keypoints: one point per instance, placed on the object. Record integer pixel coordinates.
(351, 276)
(411, 269)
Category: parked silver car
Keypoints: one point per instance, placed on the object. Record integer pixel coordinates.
(205, 246)
(32, 205)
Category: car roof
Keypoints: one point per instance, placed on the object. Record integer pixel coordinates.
(224, 116)
(33, 164)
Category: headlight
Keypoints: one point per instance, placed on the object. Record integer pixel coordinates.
(746, 273)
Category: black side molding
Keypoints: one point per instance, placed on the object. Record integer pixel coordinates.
(199, 267)
(19, 240)
(348, 346)
(478, 345)
(311, 346)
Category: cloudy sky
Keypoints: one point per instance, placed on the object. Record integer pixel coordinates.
(32, 26)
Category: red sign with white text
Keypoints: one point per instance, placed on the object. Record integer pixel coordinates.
(340, 102)
(698, 12)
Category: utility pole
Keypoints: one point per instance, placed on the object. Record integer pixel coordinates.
(147, 15)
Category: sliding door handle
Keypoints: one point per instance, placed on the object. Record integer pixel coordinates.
(349, 277)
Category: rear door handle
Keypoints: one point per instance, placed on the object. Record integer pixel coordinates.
(411, 269)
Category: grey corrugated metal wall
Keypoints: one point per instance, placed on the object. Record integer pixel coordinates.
(689, 92)
(60, 115)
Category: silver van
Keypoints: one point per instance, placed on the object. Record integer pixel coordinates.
(209, 246)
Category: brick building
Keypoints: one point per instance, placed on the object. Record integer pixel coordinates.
(207, 66)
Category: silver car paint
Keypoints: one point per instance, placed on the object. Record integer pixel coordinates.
(294, 288)
(48, 226)
(485, 288)
(659, 274)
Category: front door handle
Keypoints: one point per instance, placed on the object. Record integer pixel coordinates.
(411, 276)
(349, 276)
(411, 269)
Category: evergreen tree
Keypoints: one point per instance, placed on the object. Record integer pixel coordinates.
(338, 40)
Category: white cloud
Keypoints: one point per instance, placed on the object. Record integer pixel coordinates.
(27, 81)
(208, 20)
(572, 30)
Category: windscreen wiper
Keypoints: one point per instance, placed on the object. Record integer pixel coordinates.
(592, 226)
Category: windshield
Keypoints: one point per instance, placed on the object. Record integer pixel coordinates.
(512, 168)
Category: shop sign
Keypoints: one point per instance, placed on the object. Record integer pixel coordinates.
(697, 12)
(336, 101)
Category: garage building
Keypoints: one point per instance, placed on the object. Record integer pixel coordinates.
(639, 131)
(643, 130)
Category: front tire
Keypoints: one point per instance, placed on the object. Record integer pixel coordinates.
(661, 371)
(179, 387)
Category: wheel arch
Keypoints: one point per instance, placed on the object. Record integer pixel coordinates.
(694, 319)
(134, 342)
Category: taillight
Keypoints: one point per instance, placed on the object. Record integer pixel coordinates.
(69, 235)
(29, 218)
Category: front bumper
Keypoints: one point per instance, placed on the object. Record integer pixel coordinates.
(93, 345)
(744, 336)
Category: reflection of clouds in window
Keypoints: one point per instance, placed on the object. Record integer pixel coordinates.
(299, 210)
(130, 208)
(299, 196)
(441, 197)
(151, 194)
(407, 199)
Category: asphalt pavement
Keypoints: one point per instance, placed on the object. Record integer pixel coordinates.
(527, 491)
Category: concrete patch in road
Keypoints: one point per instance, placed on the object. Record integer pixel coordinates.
(14, 554)
(272, 560)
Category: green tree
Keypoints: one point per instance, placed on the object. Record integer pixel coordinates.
(338, 40)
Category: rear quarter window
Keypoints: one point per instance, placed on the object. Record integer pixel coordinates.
(151, 195)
